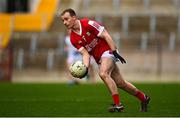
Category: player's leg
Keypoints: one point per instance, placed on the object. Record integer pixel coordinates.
(121, 83)
(128, 87)
(105, 70)
(91, 73)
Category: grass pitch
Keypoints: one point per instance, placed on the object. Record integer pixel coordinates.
(83, 100)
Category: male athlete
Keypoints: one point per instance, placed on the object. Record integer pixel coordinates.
(91, 38)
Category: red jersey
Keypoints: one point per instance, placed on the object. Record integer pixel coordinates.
(88, 38)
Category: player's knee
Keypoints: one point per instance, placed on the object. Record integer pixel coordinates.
(103, 74)
(121, 85)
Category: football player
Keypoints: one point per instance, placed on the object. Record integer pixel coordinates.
(91, 38)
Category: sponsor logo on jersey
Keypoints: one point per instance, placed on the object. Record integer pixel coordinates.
(91, 45)
(79, 42)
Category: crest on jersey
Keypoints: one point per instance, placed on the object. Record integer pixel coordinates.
(88, 33)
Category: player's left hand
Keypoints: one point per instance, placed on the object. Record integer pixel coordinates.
(118, 56)
(85, 73)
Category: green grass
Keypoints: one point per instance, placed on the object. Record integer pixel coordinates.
(83, 100)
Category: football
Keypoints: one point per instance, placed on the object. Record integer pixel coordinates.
(78, 69)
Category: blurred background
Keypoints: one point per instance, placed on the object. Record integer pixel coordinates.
(146, 33)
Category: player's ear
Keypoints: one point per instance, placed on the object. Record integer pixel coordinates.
(74, 17)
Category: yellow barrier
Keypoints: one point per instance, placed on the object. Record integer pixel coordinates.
(38, 21)
(5, 23)
(5, 27)
(29, 22)
(47, 6)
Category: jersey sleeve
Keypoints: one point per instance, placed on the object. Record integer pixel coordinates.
(95, 27)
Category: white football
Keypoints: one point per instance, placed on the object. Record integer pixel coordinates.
(78, 69)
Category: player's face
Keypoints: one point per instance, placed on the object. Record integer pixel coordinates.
(68, 20)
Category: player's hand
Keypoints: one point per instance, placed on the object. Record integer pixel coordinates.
(117, 55)
(84, 74)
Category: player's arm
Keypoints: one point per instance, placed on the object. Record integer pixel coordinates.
(82, 50)
(85, 56)
(105, 35)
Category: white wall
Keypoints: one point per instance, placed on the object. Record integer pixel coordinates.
(33, 4)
